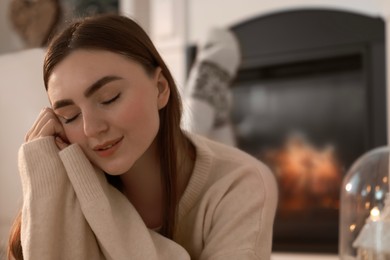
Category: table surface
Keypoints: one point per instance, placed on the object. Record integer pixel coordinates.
(291, 256)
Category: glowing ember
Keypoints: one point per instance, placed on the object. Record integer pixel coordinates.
(308, 177)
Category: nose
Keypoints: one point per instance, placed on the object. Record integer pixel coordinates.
(94, 124)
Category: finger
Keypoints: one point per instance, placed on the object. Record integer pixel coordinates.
(60, 143)
(50, 128)
(59, 130)
(36, 122)
(41, 120)
(47, 124)
(41, 123)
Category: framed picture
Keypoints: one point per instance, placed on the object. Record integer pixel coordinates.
(35, 21)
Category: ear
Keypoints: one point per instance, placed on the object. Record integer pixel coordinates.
(163, 89)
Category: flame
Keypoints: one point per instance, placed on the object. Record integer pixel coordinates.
(308, 176)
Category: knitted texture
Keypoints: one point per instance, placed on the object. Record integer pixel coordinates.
(208, 97)
(226, 211)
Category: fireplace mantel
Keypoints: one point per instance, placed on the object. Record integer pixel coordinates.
(202, 16)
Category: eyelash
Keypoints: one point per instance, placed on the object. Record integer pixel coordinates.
(111, 100)
(67, 121)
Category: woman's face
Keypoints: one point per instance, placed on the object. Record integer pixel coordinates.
(108, 105)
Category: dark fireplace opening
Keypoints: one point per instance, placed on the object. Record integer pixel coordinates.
(305, 122)
(309, 99)
(318, 103)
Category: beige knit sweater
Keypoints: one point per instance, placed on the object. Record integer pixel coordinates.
(71, 212)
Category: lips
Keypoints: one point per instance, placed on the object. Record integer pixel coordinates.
(107, 145)
(108, 148)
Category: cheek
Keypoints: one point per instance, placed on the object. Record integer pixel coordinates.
(138, 115)
(74, 133)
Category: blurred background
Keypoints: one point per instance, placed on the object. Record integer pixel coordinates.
(310, 95)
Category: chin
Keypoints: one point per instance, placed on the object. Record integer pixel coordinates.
(115, 166)
(114, 172)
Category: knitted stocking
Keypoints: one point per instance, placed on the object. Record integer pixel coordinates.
(207, 97)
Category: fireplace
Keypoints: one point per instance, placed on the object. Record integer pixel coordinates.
(310, 98)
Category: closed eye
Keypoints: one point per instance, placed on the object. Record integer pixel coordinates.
(111, 100)
(69, 120)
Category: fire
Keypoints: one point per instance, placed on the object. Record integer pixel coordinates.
(309, 177)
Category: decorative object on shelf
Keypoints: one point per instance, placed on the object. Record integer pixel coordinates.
(34, 20)
(365, 208)
(83, 8)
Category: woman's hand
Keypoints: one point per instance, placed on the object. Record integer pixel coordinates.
(47, 124)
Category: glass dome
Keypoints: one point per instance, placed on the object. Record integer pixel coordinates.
(365, 208)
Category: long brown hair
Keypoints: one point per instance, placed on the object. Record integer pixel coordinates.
(122, 35)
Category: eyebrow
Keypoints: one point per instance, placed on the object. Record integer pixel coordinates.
(88, 92)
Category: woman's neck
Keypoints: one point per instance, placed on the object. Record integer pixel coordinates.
(142, 186)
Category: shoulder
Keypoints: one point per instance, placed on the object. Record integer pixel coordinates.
(232, 197)
(225, 157)
(229, 166)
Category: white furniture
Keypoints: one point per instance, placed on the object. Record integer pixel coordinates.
(286, 256)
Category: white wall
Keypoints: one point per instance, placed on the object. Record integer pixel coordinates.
(22, 97)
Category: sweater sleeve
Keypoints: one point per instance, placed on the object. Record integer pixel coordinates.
(119, 229)
(53, 226)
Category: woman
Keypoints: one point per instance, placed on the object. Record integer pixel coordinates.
(107, 172)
